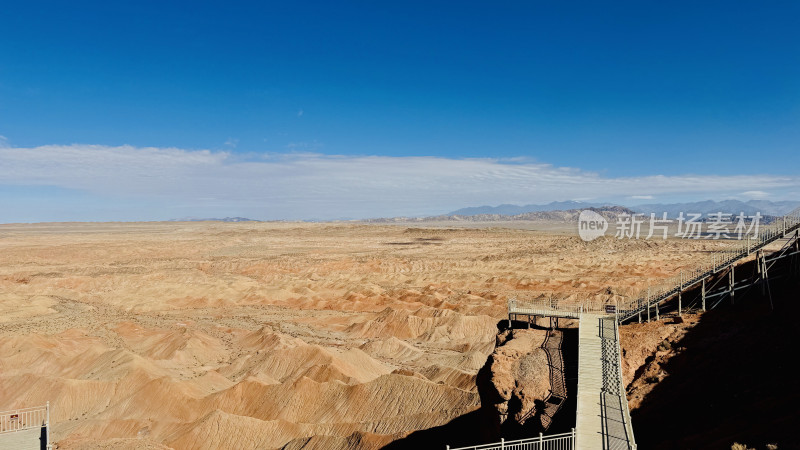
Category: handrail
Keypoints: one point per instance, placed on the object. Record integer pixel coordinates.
(560, 307)
(562, 441)
(24, 418)
(711, 265)
(623, 393)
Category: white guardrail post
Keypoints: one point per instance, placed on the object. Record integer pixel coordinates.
(47, 427)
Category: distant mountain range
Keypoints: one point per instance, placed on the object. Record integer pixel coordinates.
(226, 219)
(567, 215)
(515, 210)
(751, 207)
(557, 211)
(765, 207)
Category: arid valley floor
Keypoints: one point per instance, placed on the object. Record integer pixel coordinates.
(265, 335)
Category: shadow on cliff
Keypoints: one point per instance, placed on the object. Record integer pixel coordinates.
(732, 379)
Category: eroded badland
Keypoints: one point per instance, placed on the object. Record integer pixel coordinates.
(261, 335)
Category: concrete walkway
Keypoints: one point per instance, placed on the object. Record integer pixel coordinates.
(30, 439)
(589, 423)
(603, 420)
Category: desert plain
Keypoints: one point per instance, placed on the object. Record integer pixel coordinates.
(279, 335)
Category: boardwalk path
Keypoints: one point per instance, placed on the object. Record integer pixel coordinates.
(602, 421)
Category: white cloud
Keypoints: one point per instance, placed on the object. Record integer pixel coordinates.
(757, 195)
(307, 185)
(231, 143)
(642, 197)
(4, 142)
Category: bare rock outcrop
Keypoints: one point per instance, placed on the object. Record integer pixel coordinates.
(519, 375)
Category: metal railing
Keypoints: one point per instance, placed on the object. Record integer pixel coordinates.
(555, 307)
(710, 265)
(24, 418)
(563, 441)
(626, 412)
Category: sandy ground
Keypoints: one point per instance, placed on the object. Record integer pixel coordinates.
(245, 335)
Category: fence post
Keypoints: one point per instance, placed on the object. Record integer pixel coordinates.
(703, 294)
(47, 427)
(502, 443)
(760, 264)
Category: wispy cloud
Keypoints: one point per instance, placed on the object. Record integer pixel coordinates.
(307, 185)
(642, 197)
(757, 195)
(231, 143)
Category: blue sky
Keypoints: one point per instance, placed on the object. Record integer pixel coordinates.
(348, 95)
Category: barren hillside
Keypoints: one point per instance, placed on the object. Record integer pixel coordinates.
(239, 335)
